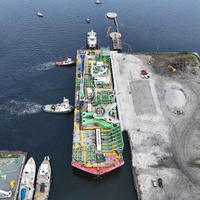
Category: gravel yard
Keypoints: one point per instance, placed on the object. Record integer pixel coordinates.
(163, 144)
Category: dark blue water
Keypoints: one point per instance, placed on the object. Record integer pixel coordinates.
(30, 45)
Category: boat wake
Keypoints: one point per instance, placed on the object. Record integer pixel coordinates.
(33, 70)
(44, 67)
(20, 108)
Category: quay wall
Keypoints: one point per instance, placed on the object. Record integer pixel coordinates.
(133, 168)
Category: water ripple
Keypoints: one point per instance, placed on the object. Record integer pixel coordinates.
(44, 67)
(21, 107)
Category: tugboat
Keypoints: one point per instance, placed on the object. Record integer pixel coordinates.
(39, 14)
(62, 108)
(69, 61)
(26, 190)
(92, 39)
(43, 183)
(87, 20)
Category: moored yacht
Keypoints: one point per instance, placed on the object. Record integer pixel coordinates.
(26, 190)
(43, 183)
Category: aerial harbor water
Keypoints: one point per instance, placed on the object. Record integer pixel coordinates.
(29, 78)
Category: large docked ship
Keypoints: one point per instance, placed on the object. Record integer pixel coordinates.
(97, 137)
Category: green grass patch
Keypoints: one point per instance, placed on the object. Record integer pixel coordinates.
(183, 54)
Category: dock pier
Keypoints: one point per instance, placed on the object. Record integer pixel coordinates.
(116, 24)
(115, 36)
(11, 167)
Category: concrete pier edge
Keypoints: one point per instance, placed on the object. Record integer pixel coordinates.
(133, 169)
(20, 175)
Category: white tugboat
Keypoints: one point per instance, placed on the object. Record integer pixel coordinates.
(60, 108)
(27, 182)
(43, 183)
(92, 39)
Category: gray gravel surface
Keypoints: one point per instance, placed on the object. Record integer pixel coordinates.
(168, 144)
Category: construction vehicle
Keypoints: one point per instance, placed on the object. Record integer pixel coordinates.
(144, 72)
(151, 62)
(179, 112)
(145, 76)
(173, 70)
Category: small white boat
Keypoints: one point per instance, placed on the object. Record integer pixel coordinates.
(98, 2)
(87, 20)
(60, 108)
(39, 14)
(92, 39)
(26, 190)
(43, 183)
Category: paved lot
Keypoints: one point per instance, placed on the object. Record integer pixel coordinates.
(10, 172)
(142, 98)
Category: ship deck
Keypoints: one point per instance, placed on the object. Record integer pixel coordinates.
(97, 137)
(43, 179)
(42, 195)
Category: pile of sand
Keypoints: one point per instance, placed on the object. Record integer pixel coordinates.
(175, 98)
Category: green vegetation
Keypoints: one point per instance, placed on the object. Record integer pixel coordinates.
(9, 155)
(197, 158)
(183, 54)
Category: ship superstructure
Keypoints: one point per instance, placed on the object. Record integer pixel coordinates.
(97, 138)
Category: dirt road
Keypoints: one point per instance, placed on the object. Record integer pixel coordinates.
(163, 144)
